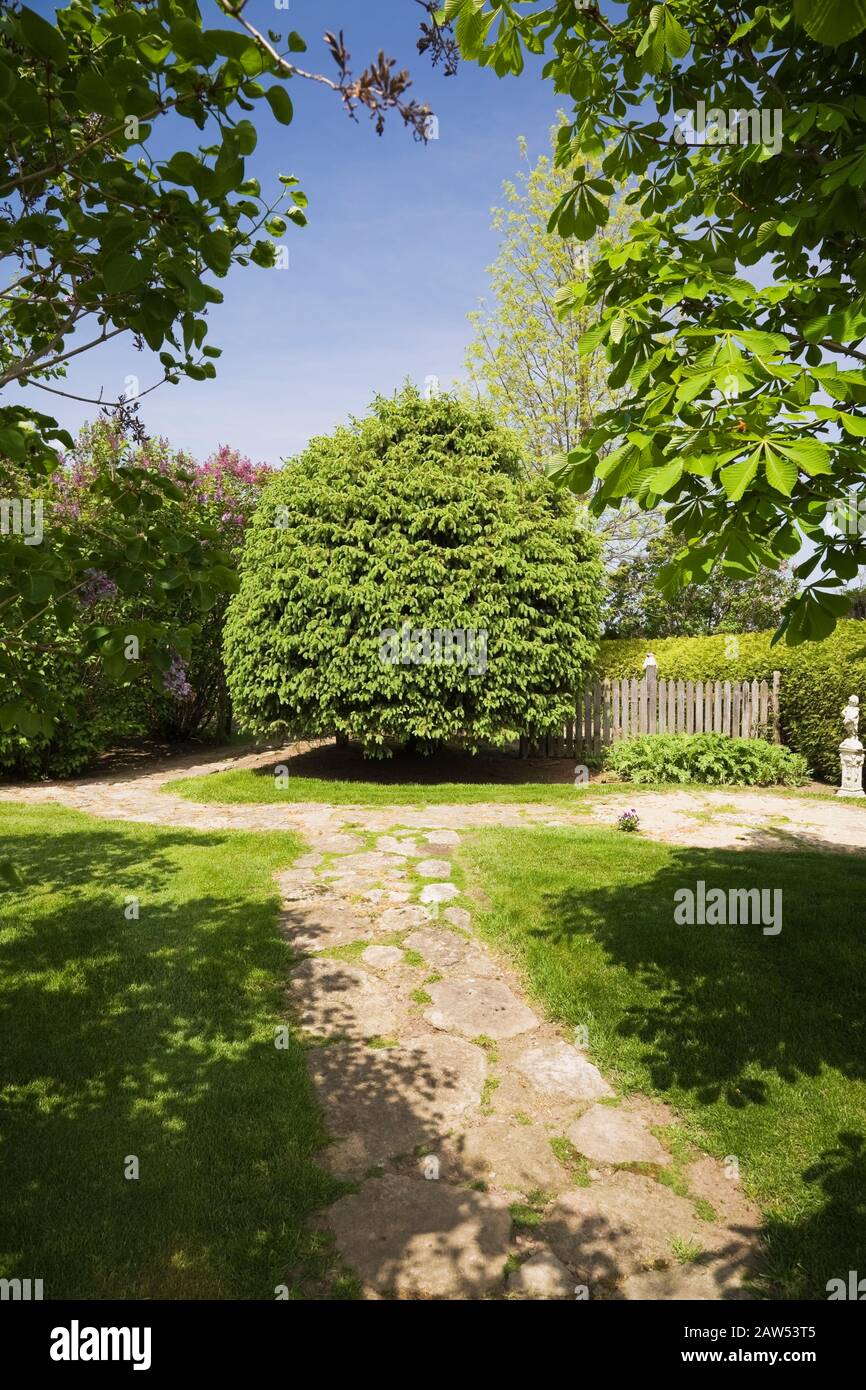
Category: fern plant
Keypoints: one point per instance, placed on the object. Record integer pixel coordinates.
(713, 759)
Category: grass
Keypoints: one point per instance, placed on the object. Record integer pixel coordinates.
(758, 1041)
(153, 1038)
(248, 786)
(488, 1090)
(686, 1251)
(526, 1215)
(253, 785)
(577, 1164)
(490, 1046)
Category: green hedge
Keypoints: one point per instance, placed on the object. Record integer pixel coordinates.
(817, 678)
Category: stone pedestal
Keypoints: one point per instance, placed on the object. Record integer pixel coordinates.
(851, 758)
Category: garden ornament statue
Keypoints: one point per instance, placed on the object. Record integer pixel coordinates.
(851, 716)
(851, 751)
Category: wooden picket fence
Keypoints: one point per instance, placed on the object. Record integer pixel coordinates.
(617, 709)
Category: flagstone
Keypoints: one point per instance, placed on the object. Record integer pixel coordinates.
(439, 948)
(404, 918)
(384, 1102)
(607, 1134)
(620, 1225)
(382, 957)
(433, 868)
(322, 925)
(299, 885)
(714, 1280)
(390, 844)
(308, 861)
(478, 1007)
(334, 998)
(337, 842)
(477, 962)
(442, 837)
(558, 1069)
(505, 1155)
(371, 861)
(439, 892)
(417, 1239)
(541, 1276)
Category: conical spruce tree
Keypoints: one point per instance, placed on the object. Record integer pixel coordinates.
(404, 582)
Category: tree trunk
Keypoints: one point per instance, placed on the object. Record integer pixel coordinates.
(225, 714)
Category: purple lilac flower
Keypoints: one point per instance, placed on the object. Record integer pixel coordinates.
(97, 587)
(175, 681)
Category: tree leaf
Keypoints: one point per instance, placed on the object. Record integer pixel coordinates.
(737, 477)
(831, 21)
(809, 454)
(123, 272)
(661, 480)
(677, 41)
(281, 104)
(781, 472)
(42, 37)
(96, 94)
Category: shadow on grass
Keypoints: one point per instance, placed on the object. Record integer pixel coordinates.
(719, 1002)
(770, 1028)
(151, 1038)
(155, 1039)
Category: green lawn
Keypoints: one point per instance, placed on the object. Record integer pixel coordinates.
(257, 785)
(248, 785)
(759, 1041)
(152, 1038)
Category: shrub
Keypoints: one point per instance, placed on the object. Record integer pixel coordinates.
(88, 714)
(417, 518)
(220, 493)
(714, 759)
(210, 503)
(816, 678)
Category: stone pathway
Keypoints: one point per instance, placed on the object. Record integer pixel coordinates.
(701, 818)
(490, 1157)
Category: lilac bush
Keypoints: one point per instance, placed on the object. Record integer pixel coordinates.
(181, 691)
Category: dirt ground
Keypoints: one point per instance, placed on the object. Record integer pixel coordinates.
(325, 759)
(347, 764)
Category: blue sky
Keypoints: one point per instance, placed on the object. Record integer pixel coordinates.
(379, 283)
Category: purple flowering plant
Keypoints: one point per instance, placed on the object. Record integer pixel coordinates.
(212, 502)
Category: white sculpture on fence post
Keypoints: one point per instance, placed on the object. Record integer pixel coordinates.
(851, 751)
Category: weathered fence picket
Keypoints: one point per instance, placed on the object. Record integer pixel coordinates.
(608, 711)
